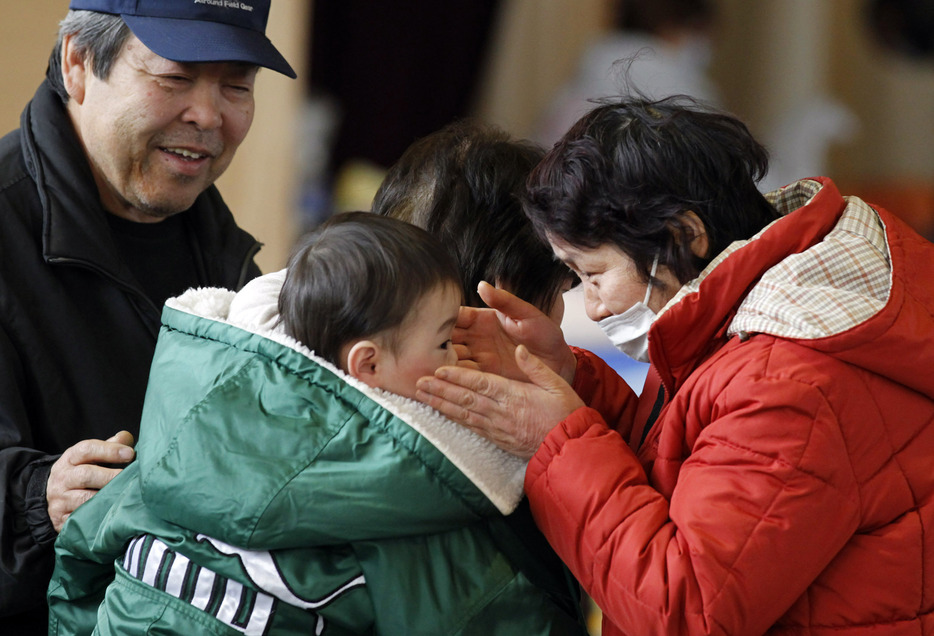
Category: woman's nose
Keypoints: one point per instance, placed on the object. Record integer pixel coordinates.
(594, 307)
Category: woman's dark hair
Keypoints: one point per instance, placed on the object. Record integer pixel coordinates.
(99, 37)
(463, 184)
(356, 275)
(626, 173)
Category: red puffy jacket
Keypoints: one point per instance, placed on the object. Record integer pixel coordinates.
(787, 486)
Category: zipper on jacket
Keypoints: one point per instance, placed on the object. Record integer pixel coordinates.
(245, 265)
(74, 262)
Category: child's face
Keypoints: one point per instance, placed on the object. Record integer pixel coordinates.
(423, 342)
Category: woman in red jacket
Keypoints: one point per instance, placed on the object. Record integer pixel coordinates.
(775, 476)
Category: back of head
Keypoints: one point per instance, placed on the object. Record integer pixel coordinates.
(356, 275)
(178, 30)
(463, 184)
(626, 173)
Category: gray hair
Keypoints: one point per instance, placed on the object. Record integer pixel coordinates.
(98, 37)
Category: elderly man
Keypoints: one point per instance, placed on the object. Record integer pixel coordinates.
(107, 208)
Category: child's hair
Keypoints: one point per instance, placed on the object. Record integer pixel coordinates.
(463, 184)
(356, 275)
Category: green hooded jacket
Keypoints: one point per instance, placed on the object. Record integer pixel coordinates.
(273, 494)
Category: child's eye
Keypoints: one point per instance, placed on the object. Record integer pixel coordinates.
(446, 344)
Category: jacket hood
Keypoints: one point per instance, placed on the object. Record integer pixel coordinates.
(325, 457)
(834, 274)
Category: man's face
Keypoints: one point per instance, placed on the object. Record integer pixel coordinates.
(157, 132)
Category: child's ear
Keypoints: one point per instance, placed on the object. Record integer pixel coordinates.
(362, 361)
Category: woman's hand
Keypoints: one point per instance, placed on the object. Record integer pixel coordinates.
(486, 339)
(514, 415)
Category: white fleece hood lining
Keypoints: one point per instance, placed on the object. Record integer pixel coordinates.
(497, 474)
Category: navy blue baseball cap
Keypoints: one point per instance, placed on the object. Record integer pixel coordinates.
(198, 30)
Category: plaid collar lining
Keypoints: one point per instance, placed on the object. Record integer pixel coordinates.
(829, 288)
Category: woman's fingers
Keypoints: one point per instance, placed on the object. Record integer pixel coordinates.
(458, 392)
(514, 415)
(526, 324)
(506, 303)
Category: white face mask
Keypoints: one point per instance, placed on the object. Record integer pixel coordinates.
(629, 331)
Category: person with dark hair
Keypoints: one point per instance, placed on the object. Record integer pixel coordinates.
(774, 475)
(287, 482)
(464, 184)
(108, 208)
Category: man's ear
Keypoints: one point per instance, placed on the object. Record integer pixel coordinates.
(75, 70)
(363, 361)
(699, 242)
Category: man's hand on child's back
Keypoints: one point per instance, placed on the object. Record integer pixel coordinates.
(84, 469)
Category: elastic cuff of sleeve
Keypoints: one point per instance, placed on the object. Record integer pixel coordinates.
(577, 424)
(37, 506)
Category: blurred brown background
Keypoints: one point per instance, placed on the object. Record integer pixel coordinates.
(374, 75)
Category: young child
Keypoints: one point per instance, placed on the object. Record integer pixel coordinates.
(286, 484)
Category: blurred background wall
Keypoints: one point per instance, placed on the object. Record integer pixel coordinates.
(811, 78)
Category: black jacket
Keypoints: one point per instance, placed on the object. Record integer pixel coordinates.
(77, 331)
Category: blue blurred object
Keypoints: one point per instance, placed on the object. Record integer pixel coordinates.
(582, 332)
(632, 371)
